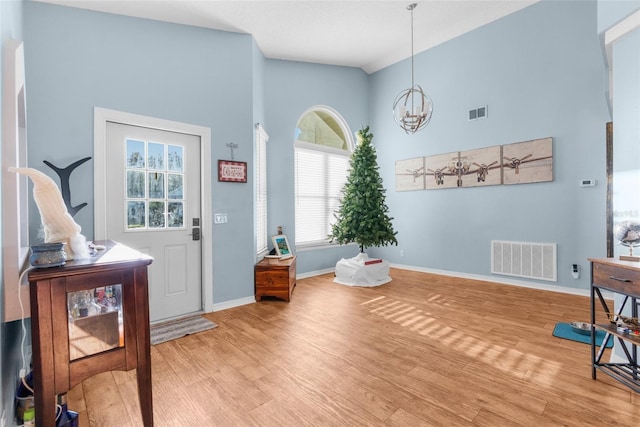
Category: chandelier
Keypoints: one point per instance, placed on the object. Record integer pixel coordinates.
(412, 108)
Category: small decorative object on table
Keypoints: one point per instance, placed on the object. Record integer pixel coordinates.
(281, 245)
(628, 234)
(628, 324)
(48, 255)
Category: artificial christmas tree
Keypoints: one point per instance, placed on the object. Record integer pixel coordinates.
(363, 217)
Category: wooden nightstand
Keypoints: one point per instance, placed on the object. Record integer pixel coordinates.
(275, 279)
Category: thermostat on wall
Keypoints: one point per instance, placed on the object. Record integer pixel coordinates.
(587, 183)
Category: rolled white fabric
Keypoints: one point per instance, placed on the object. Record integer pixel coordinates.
(58, 224)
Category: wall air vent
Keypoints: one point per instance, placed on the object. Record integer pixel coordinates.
(523, 259)
(478, 113)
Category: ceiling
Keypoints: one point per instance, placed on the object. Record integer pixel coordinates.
(356, 33)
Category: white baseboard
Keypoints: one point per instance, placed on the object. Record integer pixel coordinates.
(502, 280)
(315, 273)
(234, 303)
(541, 286)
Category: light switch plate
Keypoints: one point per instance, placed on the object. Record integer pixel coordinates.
(220, 218)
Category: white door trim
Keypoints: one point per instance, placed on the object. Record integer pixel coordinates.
(100, 118)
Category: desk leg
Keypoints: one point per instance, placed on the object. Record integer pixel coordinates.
(593, 331)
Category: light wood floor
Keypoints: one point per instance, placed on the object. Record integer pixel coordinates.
(422, 350)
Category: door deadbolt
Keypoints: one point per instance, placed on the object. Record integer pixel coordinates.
(195, 234)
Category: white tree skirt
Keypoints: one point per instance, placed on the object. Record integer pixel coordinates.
(355, 271)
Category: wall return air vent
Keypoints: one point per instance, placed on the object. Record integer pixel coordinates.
(525, 259)
(478, 113)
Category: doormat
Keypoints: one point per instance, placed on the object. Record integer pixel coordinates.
(174, 329)
(565, 331)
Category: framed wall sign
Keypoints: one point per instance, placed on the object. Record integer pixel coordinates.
(232, 171)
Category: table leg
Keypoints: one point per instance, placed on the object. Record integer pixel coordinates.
(43, 364)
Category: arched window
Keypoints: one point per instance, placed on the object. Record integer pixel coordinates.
(323, 147)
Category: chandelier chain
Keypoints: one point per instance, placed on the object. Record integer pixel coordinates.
(411, 7)
(412, 107)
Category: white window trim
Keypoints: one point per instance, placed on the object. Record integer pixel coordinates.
(323, 148)
(344, 127)
(261, 182)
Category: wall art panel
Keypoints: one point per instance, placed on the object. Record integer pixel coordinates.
(441, 171)
(518, 163)
(527, 162)
(480, 167)
(410, 174)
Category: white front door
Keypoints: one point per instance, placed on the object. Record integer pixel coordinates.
(153, 205)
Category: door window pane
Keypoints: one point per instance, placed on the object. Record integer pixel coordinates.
(135, 153)
(156, 156)
(135, 184)
(175, 158)
(156, 214)
(175, 217)
(156, 185)
(154, 179)
(174, 186)
(136, 215)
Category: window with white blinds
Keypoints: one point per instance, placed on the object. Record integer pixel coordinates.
(261, 190)
(322, 153)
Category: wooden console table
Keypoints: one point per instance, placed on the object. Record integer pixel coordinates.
(108, 333)
(276, 280)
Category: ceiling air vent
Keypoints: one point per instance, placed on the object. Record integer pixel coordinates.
(478, 113)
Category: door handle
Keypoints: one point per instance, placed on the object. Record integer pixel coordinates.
(195, 234)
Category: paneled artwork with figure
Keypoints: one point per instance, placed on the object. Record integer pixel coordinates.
(518, 163)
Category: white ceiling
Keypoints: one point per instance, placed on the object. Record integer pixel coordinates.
(357, 33)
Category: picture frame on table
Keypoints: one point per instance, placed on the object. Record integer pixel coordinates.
(281, 245)
(232, 171)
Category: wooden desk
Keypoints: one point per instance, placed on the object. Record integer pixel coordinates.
(623, 279)
(56, 369)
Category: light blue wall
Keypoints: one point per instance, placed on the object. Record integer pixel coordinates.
(290, 89)
(610, 12)
(541, 73)
(10, 333)
(77, 59)
(626, 105)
